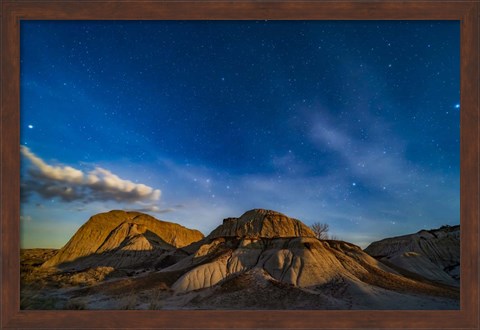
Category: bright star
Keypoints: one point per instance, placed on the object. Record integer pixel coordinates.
(354, 184)
(30, 126)
(457, 106)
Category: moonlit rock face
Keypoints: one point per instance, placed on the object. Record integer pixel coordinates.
(286, 250)
(114, 237)
(262, 224)
(433, 254)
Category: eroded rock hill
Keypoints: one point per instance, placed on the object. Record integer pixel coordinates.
(259, 223)
(286, 250)
(433, 254)
(121, 239)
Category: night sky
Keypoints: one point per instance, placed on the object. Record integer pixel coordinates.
(355, 124)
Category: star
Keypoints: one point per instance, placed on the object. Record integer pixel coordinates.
(457, 106)
(30, 126)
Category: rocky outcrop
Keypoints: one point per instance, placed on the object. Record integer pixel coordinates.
(121, 239)
(432, 254)
(286, 250)
(261, 223)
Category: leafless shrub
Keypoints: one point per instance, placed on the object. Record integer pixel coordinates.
(320, 230)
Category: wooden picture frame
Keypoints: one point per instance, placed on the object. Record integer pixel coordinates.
(12, 12)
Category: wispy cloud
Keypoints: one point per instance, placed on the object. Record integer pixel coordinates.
(71, 184)
(400, 192)
(380, 163)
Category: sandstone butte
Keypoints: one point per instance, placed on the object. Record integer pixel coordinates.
(261, 223)
(119, 238)
(285, 249)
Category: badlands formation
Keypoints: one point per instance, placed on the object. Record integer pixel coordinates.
(121, 239)
(433, 254)
(261, 260)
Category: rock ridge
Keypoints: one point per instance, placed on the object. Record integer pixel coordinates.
(433, 254)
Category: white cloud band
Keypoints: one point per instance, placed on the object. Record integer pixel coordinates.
(72, 184)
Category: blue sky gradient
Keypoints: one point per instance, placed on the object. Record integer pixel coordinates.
(351, 123)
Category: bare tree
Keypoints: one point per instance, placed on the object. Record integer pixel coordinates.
(320, 230)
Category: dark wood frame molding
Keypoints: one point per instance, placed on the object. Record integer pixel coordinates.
(12, 12)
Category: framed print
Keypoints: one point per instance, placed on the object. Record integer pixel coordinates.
(215, 164)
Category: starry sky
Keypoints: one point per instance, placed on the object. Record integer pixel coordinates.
(355, 124)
